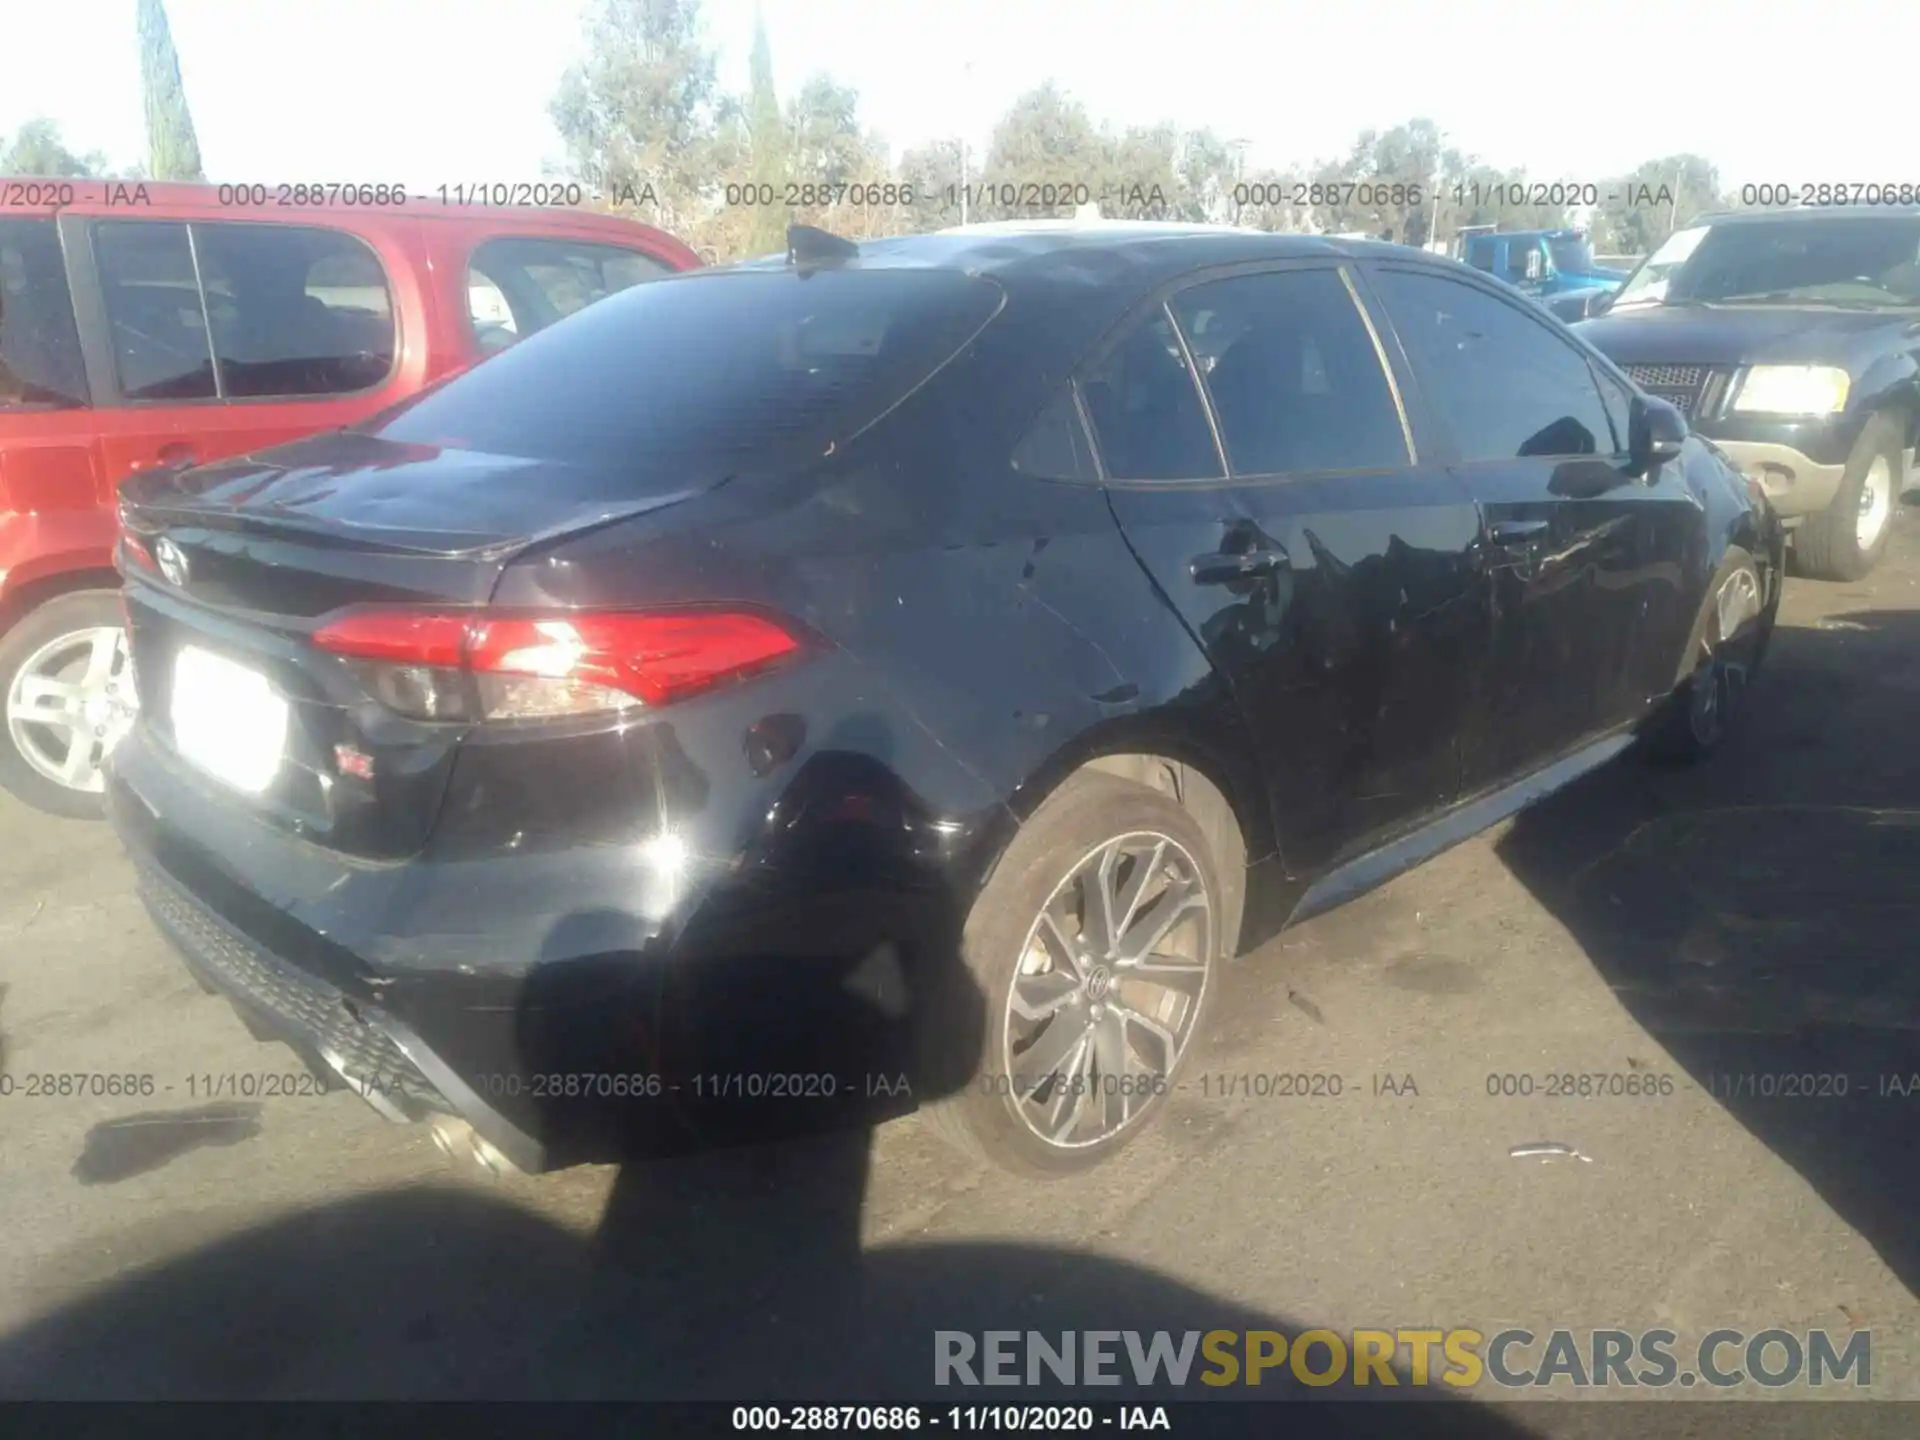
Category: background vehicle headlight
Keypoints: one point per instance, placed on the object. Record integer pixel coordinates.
(1793, 390)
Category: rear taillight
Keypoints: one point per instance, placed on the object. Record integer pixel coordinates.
(453, 665)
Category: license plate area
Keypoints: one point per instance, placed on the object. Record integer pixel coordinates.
(227, 719)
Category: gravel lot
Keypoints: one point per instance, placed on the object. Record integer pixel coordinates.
(1755, 917)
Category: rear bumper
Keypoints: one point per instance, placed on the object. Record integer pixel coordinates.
(357, 1046)
(569, 1006)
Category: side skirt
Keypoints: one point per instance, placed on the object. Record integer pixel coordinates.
(1462, 822)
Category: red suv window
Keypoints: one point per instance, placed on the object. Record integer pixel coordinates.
(40, 364)
(516, 286)
(243, 311)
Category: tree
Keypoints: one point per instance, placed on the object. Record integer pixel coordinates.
(1206, 169)
(930, 172)
(173, 151)
(37, 149)
(1045, 147)
(1640, 210)
(832, 152)
(643, 116)
(768, 147)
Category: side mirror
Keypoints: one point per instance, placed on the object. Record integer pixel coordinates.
(1658, 431)
(1602, 303)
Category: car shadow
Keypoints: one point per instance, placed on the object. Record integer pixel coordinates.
(1757, 914)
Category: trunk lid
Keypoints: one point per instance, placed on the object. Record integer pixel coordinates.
(250, 555)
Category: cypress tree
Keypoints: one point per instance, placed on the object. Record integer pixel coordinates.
(172, 149)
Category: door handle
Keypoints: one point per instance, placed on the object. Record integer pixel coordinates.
(1223, 568)
(1518, 532)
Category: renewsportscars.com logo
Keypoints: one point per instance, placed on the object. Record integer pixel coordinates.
(1458, 1358)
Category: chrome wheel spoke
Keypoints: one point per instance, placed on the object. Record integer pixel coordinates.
(45, 700)
(1169, 1042)
(103, 654)
(1054, 1053)
(1117, 1066)
(1180, 975)
(1035, 997)
(1144, 871)
(1061, 938)
(1103, 904)
(1075, 1097)
(81, 762)
(1181, 897)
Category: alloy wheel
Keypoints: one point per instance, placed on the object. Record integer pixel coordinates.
(1876, 504)
(71, 703)
(1109, 985)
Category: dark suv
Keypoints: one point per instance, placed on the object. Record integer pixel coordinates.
(902, 672)
(1792, 339)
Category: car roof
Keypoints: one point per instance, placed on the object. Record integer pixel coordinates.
(1798, 214)
(1146, 251)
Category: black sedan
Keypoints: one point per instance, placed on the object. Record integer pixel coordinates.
(898, 675)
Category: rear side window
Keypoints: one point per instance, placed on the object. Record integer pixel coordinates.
(287, 311)
(1147, 416)
(517, 286)
(1295, 379)
(40, 366)
(159, 327)
(691, 379)
(295, 310)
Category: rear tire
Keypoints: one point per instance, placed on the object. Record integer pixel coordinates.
(1095, 825)
(51, 645)
(1830, 545)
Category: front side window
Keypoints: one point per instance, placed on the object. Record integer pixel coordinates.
(1147, 417)
(152, 298)
(1619, 402)
(40, 365)
(516, 286)
(1295, 379)
(1501, 382)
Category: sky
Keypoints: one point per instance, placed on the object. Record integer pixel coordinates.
(428, 92)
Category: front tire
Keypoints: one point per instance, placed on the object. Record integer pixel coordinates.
(66, 688)
(1728, 643)
(1096, 945)
(1847, 539)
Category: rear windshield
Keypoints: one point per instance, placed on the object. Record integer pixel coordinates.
(687, 380)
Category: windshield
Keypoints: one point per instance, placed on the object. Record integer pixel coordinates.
(1843, 260)
(680, 380)
(1572, 256)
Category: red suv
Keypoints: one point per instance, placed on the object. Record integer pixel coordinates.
(153, 325)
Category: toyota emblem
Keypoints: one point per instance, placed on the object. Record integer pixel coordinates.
(172, 561)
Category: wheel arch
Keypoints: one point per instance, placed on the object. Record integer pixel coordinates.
(22, 600)
(1216, 780)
